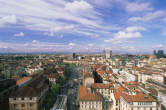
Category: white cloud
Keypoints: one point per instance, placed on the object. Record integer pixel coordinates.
(3, 47)
(134, 19)
(52, 16)
(26, 44)
(149, 17)
(44, 47)
(34, 41)
(72, 44)
(154, 15)
(123, 37)
(91, 45)
(135, 28)
(10, 19)
(159, 46)
(126, 34)
(21, 34)
(78, 6)
(138, 7)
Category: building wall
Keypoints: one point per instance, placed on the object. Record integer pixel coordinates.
(20, 104)
(107, 93)
(91, 105)
(115, 104)
(27, 103)
(88, 81)
(137, 105)
(143, 77)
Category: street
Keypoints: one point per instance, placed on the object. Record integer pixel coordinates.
(71, 88)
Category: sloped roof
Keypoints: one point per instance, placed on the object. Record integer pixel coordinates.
(85, 96)
(22, 80)
(102, 86)
(33, 89)
(139, 97)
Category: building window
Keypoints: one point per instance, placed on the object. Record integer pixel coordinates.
(22, 98)
(23, 106)
(14, 98)
(30, 98)
(31, 104)
(116, 103)
(15, 106)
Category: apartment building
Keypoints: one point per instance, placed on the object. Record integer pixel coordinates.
(116, 98)
(137, 100)
(104, 89)
(31, 96)
(90, 101)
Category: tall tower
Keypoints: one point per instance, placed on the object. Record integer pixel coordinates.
(117, 62)
(110, 53)
(104, 54)
(74, 55)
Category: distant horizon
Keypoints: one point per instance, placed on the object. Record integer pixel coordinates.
(67, 53)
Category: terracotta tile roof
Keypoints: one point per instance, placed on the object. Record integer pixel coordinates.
(118, 93)
(83, 91)
(22, 80)
(33, 89)
(85, 96)
(102, 86)
(92, 97)
(139, 97)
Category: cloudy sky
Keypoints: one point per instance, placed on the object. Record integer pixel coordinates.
(131, 26)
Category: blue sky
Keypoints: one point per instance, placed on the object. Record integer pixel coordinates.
(130, 26)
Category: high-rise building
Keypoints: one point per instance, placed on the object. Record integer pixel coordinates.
(110, 53)
(74, 55)
(154, 52)
(104, 54)
(159, 53)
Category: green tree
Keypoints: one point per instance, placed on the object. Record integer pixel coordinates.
(62, 79)
(54, 88)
